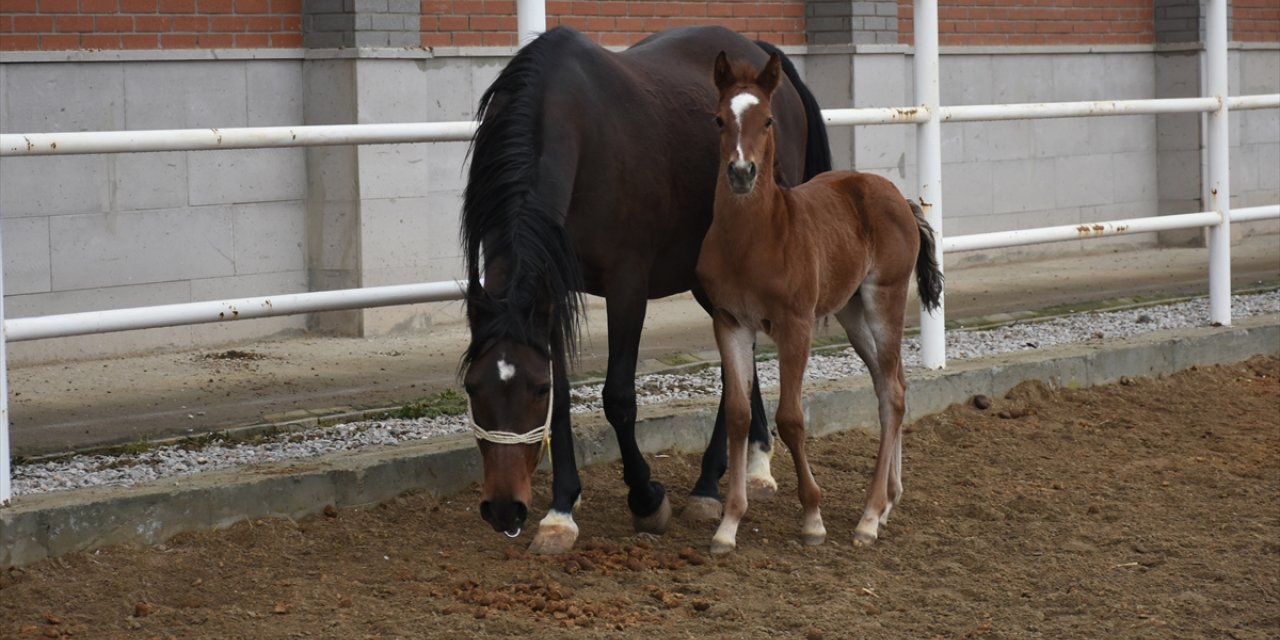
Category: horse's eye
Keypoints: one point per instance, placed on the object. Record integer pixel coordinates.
(719, 122)
(768, 123)
(544, 390)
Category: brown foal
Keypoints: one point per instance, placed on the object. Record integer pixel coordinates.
(776, 259)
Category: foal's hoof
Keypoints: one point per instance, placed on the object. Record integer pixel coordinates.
(863, 539)
(556, 534)
(703, 509)
(813, 539)
(721, 547)
(761, 488)
(656, 522)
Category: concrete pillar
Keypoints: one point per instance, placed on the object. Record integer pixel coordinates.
(335, 31)
(830, 22)
(1178, 27)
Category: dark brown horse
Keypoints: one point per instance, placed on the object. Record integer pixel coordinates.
(594, 172)
(775, 259)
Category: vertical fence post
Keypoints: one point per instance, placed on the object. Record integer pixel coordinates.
(6, 489)
(933, 337)
(1219, 178)
(531, 20)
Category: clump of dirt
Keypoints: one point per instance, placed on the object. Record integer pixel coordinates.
(235, 355)
(1137, 510)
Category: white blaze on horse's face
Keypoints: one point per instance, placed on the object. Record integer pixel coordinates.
(506, 371)
(739, 105)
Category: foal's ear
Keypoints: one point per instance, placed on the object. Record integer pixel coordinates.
(723, 72)
(770, 75)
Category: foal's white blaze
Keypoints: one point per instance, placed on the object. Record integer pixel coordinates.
(506, 371)
(739, 105)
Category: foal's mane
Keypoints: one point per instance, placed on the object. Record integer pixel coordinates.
(503, 214)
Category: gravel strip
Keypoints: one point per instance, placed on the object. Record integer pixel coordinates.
(169, 461)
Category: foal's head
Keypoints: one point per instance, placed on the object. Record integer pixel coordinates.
(745, 118)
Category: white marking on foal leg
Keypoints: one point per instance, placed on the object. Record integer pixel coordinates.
(739, 105)
(506, 371)
(760, 482)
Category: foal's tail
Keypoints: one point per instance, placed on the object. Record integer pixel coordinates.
(928, 274)
(817, 150)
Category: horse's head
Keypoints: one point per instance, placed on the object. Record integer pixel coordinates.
(509, 386)
(745, 118)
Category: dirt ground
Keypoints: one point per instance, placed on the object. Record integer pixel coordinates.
(1147, 509)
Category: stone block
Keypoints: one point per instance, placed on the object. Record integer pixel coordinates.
(1084, 180)
(26, 255)
(185, 95)
(250, 175)
(138, 247)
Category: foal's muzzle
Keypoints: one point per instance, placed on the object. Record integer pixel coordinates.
(742, 177)
(504, 515)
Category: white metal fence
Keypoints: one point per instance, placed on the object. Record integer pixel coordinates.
(927, 114)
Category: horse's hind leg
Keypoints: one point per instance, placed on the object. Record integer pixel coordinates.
(873, 321)
(704, 499)
(650, 510)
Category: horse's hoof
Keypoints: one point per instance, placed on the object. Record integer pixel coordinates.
(721, 547)
(556, 534)
(761, 488)
(656, 522)
(863, 539)
(703, 509)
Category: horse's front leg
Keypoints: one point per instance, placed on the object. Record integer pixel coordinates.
(557, 532)
(647, 500)
(735, 344)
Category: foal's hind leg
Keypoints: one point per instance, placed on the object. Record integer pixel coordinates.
(873, 321)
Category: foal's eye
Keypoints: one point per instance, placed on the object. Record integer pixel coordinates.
(768, 123)
(544, 390)
(719, 122)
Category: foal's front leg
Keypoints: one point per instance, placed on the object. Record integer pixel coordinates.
(735, 344)
(793, 340)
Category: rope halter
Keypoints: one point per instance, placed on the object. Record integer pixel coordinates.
(539, 434)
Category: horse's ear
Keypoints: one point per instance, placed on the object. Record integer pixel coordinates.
(723, 72)
(771, 74)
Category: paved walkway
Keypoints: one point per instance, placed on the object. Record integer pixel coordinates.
(65, 406)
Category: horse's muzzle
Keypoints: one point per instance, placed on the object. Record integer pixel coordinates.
(742, 177)
(505, 516)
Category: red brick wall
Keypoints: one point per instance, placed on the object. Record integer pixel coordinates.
(1255, 20)
(1037, 22)
(462, 23)
(49, 25)
(34, 25)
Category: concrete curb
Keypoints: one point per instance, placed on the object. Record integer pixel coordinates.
(47, 525)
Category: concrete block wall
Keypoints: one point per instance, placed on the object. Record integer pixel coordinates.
(85, 233)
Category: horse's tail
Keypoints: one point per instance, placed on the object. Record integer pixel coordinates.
(817, 150)
(928, 274)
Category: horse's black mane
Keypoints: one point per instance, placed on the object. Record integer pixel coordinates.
(502, 212)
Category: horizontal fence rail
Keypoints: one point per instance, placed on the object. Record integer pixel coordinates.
(80, 142)
(210, 139)
(173, 315)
